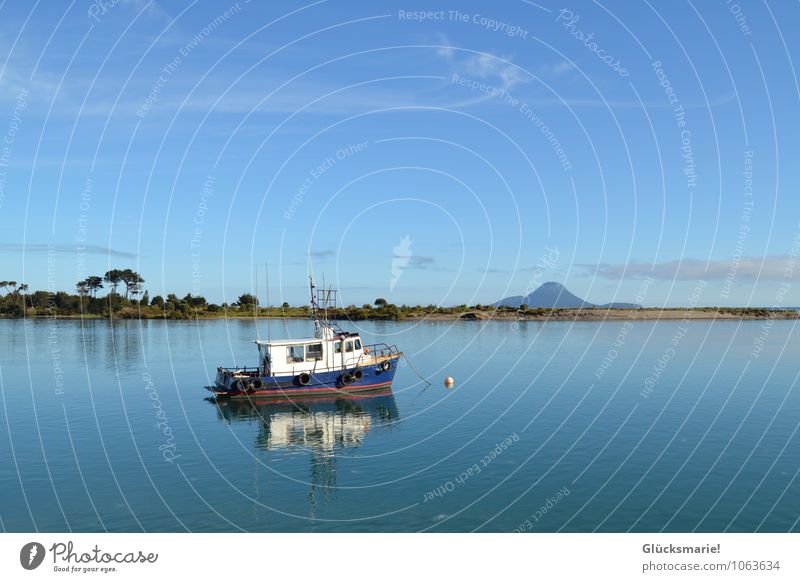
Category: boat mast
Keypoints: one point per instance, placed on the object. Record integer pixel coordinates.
(320, 300)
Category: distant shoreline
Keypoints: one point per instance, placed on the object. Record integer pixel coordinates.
(485, 314)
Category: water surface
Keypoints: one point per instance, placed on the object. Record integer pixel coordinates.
(557, 426)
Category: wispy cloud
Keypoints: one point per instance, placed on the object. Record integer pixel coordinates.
(65, 248)
(560, 68)
(326, 254)
(488, 66)
(494, 271)
(768, 267)
(421, 262)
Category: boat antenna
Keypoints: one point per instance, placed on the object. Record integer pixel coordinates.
(266, 269)
(324, 298)
(255, 307)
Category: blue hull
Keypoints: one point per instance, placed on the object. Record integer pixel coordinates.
(372, 377)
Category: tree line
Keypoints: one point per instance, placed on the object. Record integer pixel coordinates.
(126, 297)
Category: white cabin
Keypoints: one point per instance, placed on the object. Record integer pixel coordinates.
(324, 352)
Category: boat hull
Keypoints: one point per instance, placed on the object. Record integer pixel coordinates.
(373, 377)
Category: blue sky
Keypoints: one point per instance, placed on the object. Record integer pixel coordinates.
(454, 156)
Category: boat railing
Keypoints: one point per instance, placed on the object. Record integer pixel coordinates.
(380, 350)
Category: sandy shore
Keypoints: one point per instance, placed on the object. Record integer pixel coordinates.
(566, 314)
(614, 314)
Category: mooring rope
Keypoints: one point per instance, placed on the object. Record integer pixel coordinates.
(416, 372)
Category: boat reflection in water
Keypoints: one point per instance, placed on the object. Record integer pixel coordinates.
(321, 427)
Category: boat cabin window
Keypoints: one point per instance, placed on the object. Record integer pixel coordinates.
(314, 352)
(358, 344)
(337, 347)
(348, 347)
(294, 354)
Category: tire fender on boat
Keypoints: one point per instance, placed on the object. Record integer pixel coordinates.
(358, 373)
(386, 365)
(303, 379)
(347, 378)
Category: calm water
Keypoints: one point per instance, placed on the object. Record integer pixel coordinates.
(556, 426)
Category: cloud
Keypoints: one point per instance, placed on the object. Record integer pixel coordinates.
(326, 254)
(65, 248)
(421, 262)
(560, 68)
(765, 268)
(446, 50)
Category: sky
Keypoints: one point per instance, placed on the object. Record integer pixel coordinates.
(423, 152)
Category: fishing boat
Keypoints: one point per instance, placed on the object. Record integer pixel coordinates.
(333, 362)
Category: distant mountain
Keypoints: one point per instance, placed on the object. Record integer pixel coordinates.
(548, 294)
(553, 295)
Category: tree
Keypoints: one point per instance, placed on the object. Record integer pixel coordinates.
(134, 290)
(145, 299)
(132, 281)
(93, 284)
(380, 302)
(196, 301)
(158, 301)
(285, 305)
(247, 301)
(82, 287)
(40, 299)
(113, 278)
(172, 302)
